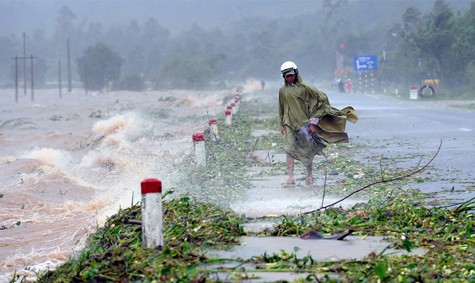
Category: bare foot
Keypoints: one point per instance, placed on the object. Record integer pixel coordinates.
(290, 183)
(309, 180)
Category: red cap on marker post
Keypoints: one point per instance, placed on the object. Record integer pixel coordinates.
(229, 116)
(151, 185)
(199, 148)
(197, 137)
(213, 125)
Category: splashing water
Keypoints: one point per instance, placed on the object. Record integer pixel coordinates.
(50, 157)
(68, 164)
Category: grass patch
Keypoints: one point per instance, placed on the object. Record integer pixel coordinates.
(115, 254)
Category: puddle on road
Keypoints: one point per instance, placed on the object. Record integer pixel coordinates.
(267, 197)
(448, 188)
(353, 247)
(262, 277)
(446, 194)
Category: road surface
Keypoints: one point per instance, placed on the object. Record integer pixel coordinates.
(398, 133)
(401, 129)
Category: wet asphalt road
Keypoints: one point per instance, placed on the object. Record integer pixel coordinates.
(407, 130)
(395, 134)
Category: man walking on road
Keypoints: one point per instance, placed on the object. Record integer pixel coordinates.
(303, 112)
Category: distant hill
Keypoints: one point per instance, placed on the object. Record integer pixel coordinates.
(25, 15)
(17, 16)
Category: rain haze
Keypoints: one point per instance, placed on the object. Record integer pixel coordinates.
(237, 35)
(96, 96)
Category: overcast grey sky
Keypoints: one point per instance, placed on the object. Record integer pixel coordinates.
(175, 15)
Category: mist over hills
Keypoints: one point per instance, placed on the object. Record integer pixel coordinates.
(176, 15)
(203, 40)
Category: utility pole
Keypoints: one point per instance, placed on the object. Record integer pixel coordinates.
(32, 79)
(59, 78)
(31, 74)
(16, 78)
(69, 66)
(24, 63)
(86, 78)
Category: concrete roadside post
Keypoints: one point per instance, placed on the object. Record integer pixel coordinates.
(152, 223)
(413, 92)
(229, 117)
(199, 148)
(235, 108)
(230, 108)
(213, 124)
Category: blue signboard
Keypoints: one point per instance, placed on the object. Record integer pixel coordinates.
(365, 63)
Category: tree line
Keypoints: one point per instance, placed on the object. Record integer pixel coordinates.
(411, 47)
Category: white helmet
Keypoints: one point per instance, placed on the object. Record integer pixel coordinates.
(288, 66)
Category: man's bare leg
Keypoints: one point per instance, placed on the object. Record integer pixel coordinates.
(309, 175)
(290, 168)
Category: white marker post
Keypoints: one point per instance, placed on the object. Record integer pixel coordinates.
(230, 108)
(213, 124)
(413, 92)
(152, 224)
(229, 117)
(199, 148)
(235, 108)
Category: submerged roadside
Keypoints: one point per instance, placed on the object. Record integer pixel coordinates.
(198, 218)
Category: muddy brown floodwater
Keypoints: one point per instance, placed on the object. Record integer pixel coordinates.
(68, 163)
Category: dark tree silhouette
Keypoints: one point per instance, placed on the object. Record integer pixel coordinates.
(98, 66)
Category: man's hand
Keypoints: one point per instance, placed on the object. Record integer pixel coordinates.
(312, 129)
(281, 129)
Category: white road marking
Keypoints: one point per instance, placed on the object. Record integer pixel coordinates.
(465, 129)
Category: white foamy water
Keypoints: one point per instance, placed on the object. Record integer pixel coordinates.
(67, 164)
(268, 197)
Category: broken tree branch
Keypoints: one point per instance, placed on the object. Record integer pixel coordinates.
(416, 170)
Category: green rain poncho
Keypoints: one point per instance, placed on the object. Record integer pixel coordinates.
(297, 104)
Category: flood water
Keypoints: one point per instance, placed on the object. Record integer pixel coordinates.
(66, 164)
(353, 247)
